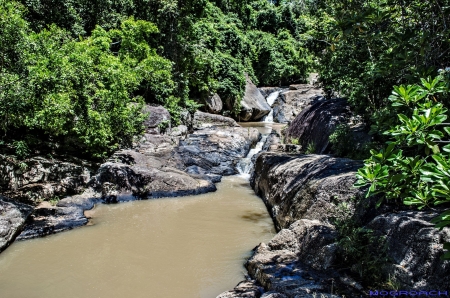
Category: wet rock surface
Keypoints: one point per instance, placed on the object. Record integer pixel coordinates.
(291, 102)
(266, 91)
(12, 219)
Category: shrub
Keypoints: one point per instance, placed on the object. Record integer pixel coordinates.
(414, 167)
(79, 93)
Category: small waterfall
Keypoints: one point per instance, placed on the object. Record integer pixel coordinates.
(245, 165)
(270, 100)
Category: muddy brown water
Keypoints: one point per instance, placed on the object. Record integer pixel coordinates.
(166, 248)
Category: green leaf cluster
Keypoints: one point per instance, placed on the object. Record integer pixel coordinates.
(366, 47)
(212, 44)
(80, 93)
(414, 167)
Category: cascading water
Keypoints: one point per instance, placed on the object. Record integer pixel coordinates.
(270, 100)
(245, 165)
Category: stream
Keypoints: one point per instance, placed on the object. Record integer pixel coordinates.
(163, 248)
(185, 247)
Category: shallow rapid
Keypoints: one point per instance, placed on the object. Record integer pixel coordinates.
(271, 100)
(166, 248)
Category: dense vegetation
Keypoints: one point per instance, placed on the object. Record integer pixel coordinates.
(62, 61)
(74, 74)
(380, 46)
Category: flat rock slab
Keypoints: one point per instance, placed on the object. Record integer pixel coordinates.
(203, 120)
(12, 220)
(66, 215)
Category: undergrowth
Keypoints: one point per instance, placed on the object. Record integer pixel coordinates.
(361, 251)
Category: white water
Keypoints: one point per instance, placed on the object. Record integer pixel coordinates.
(270, 100)
(245, 165)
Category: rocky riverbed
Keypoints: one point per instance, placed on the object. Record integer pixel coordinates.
(177, 163)
(314, 206)
(310, 197)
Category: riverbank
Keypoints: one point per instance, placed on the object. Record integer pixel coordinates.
(159, 165)
(332, 241)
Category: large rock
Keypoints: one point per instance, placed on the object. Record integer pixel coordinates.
(253, 105)
(291, 102)
(157, 120)
(303, 194)
(315, 124)
(283, 266)
(414, 247)
(213, 104)
(66, 215)
(12, 219)
(133, 173)
(304, 186)
(35, 179)
(216, 150)
(203, 120)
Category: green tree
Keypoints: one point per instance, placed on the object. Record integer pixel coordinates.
(79, 93)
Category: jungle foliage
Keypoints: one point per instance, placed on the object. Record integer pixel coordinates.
(372, 48)
(75, 73)
(414, 167)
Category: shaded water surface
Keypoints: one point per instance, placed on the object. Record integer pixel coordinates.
(177, 247)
